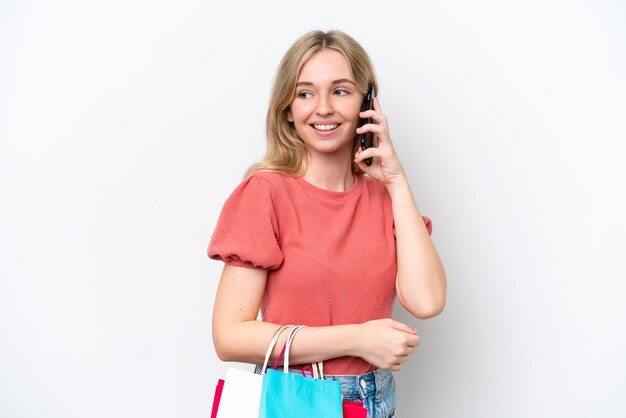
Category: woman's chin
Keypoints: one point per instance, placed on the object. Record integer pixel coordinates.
(331, 149)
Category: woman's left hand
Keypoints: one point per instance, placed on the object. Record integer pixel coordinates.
(385, 166)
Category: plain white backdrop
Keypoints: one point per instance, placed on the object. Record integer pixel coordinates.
(124, 125)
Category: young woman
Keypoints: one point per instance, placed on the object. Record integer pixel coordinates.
(313, 236)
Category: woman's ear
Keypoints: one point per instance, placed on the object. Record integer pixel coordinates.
(289, 116)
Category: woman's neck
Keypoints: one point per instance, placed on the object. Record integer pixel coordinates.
(331, 172)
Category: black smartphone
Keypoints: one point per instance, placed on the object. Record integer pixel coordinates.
(367, 138)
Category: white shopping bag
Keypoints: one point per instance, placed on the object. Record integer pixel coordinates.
(241, 395)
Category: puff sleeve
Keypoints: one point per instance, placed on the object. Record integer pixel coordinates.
(247, 232)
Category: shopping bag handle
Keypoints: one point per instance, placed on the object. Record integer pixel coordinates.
(270, 348)
(318, 368)
(288, 346)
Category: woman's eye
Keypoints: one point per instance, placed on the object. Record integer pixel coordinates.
(304, 94)
(342, 91)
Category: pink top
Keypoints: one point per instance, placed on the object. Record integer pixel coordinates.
(330, 256)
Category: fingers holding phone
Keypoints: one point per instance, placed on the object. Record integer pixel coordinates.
(367, 137)
(386, 165)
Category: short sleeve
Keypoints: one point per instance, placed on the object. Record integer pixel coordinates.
(429, 224)
(247, 230)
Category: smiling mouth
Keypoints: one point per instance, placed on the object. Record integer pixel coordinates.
(325, 127)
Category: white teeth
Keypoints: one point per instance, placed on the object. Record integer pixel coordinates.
(325, 127)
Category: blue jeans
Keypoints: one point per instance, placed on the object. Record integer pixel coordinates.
(377, 390)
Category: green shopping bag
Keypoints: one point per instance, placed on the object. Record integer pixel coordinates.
(286, 395)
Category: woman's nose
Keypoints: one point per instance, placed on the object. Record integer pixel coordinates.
(325, 105)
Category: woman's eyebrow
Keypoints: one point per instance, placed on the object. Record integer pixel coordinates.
(341, 80)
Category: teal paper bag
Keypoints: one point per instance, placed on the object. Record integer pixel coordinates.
(287, 395)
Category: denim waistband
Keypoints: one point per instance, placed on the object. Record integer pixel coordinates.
(355, 386)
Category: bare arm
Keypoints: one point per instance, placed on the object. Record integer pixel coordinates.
(421, 281)
(239, 336)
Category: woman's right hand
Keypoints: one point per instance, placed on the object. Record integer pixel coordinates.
(385, 343)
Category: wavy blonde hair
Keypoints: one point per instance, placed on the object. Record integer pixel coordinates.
(286, 152)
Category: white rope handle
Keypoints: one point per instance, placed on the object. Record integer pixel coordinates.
(314, 368)
(288, 346)
(318, 368)
(270, 348)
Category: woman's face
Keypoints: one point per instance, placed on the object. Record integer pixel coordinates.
(326, 106)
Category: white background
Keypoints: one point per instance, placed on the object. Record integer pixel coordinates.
(124, 125)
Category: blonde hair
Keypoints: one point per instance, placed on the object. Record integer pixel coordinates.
(286, 153)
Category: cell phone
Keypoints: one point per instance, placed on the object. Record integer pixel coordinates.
(367, 138)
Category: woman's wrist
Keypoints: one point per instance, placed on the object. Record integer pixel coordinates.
(352, 339)
(398, 185)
